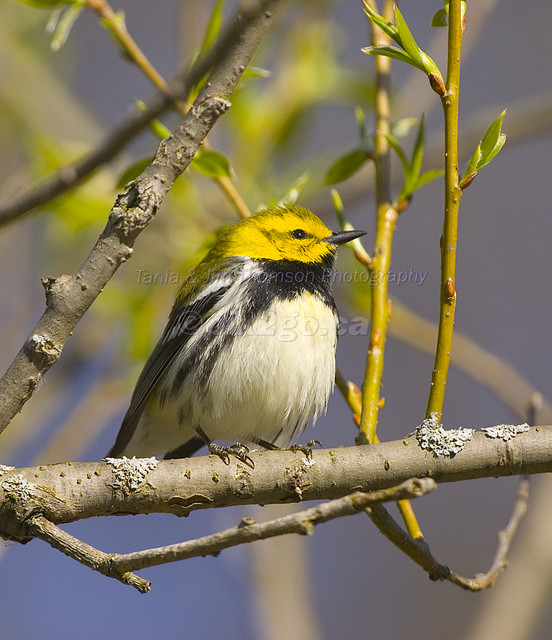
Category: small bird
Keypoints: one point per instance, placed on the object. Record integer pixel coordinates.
(248, 354)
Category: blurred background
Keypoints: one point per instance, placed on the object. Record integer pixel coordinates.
(290, 121)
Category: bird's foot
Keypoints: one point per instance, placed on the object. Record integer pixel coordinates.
(305, 448)
(237, 450)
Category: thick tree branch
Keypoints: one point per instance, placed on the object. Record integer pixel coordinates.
(67, 492)
(69, 297)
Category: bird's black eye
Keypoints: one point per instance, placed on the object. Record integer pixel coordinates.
(299, 234)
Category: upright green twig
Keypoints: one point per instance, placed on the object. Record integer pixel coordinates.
(386, 218)
(453, 193)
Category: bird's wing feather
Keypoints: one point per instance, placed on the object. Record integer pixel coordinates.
(183, 322)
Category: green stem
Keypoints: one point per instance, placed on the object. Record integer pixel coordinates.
(453, 193)
(381, 259)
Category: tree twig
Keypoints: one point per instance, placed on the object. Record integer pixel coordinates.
(121, 566)
(386, 218)
(39, 527)
(301, 522)
(420, 553)
(453, 193)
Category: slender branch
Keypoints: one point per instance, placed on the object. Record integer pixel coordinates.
(121, 566)
(386, 218)
(505, 537)
(301, 522)
(420, 553)
(453, 193)
(40, 527)
(69, 297)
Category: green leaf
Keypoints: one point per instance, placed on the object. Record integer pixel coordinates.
(401, 128)
(419, 147)
(392, 52)
(61, 22)
(439, 18)
(213, 28)
(346, 166)
(212, 164)
(256, 72)
(427, 177)
(387, 27)
(474, 162)
(486, 150)
(412, 178)
(159, 129)
(395, 145)
(133, 171)
(366, 141)
(407, 39)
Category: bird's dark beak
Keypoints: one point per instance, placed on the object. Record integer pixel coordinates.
(341, 237)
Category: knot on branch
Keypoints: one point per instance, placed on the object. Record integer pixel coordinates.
(42, 350)
(210, 109)
(17, 507)
(138, 204)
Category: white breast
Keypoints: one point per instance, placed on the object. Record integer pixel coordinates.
(274, 378)
(267, 383)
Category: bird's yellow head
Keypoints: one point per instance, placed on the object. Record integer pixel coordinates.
(288, 232)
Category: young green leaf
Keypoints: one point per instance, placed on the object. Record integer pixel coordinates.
(212, 164)
(407, 39)
(486, 150)
(401, 128)
(159, 129)
(392, 52)
(256, 72)
(439, 18)
(427, 177)
(213, 28)
(61, 22)
(419, 146)
(387, 27)
(413, 180)
(346, 166)
(401, 154)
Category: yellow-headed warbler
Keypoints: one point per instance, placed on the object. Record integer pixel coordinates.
(248, 354)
